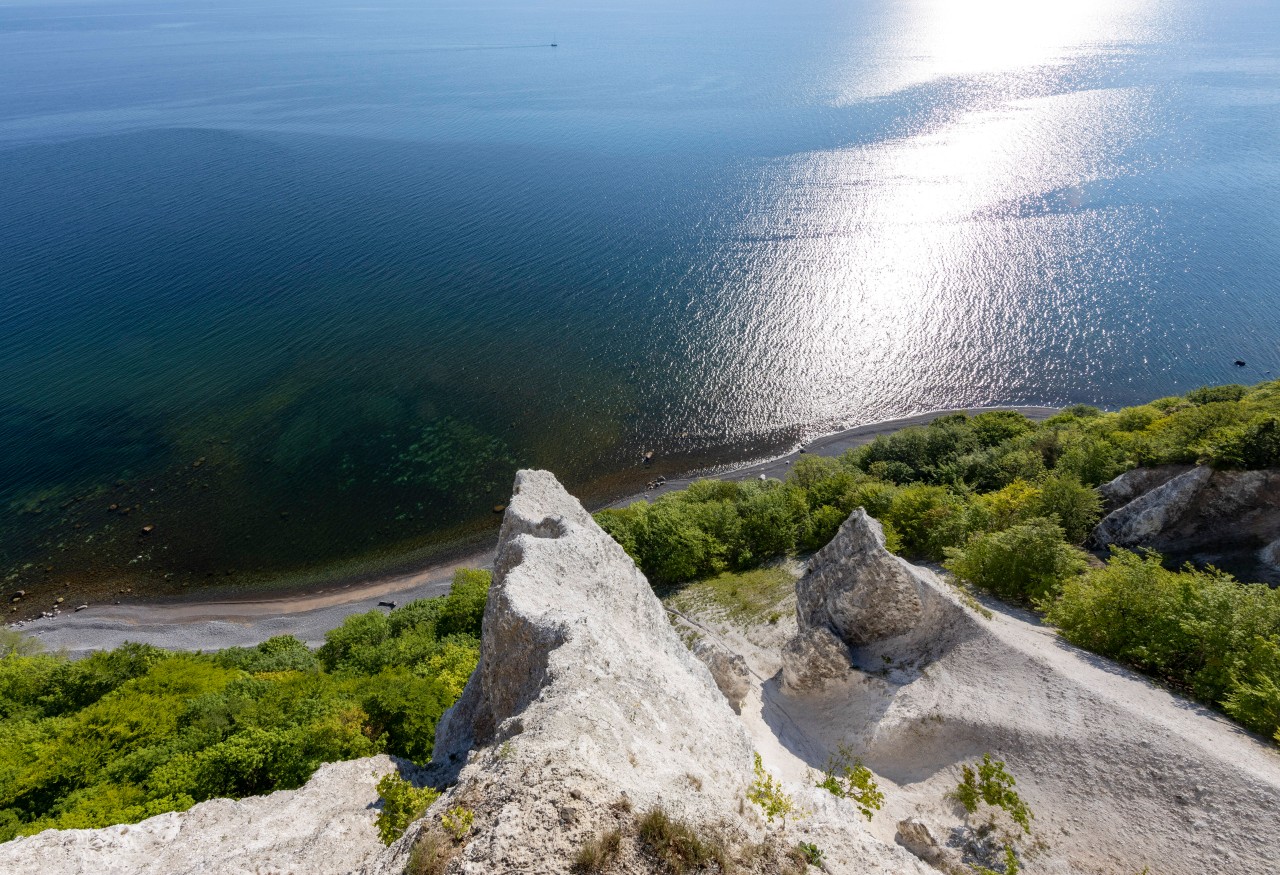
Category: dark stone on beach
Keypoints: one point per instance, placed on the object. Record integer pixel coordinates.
(391, 605)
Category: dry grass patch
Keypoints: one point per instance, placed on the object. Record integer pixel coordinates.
(744, 598)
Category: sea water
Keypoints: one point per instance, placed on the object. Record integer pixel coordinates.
(299, 285)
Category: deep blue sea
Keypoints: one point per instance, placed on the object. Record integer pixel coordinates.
(300, 284)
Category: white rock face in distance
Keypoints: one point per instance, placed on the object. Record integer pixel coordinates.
(1199, 511)
(854, 594)
(325, 827)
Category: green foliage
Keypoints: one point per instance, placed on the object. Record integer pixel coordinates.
(812, 853)
(990, 783)
(766, 792)
(1076, 507)
(137, 731)
(1255, 444)
(1002, 499)
(457, 822)
(1254, 696)
(1201, 631)
(1011, 864)
(845, 776)
(1026, 562)
(1211, 394)
(13, 641)
(402, 804)
(678, 848)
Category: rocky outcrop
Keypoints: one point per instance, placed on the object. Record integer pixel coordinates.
(1137, 481)
(855, 600)
(857, 588)
(1120, 773)
(1145, 517)
(325, 827)
(1197, 513)
(728, 669)
(587, 709)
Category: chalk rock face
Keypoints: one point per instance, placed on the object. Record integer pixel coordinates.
(1138, 481)
(814, 658)
(916, 837)
(1269, 556)
(584, 695)
(855, 595)
(325, 826)
(1146, 517)
(857, 588)
(1200, 513)
(729, 671)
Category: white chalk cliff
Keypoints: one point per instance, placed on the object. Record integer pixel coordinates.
(588, 710)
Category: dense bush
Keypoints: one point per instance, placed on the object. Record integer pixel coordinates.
(137, 731)
(1027, 562)
(1201, 631)
(935, 486)
(1004, 500)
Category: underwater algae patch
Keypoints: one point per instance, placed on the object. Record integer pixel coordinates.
(293, 489)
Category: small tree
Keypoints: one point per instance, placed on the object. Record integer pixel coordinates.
(766, 792)
(988, 782)
(1026, 562)
(845, 776)
(402, 804)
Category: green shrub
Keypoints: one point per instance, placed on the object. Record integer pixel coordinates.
(767, 793)
(1211, 394)
(402, 804)
(1076, 507)
(990, 783)
(138, 731)
(1198, 630)
(457, 822)
(812, 854)
(845, 776)
(1256, 444)
(1026, 562)
(1254, 698)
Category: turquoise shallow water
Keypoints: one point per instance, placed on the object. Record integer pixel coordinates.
(300, 284)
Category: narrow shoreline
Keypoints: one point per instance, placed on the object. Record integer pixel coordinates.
(216, 624)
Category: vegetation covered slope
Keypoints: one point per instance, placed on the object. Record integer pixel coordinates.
(138, 731)
(1004, 502)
